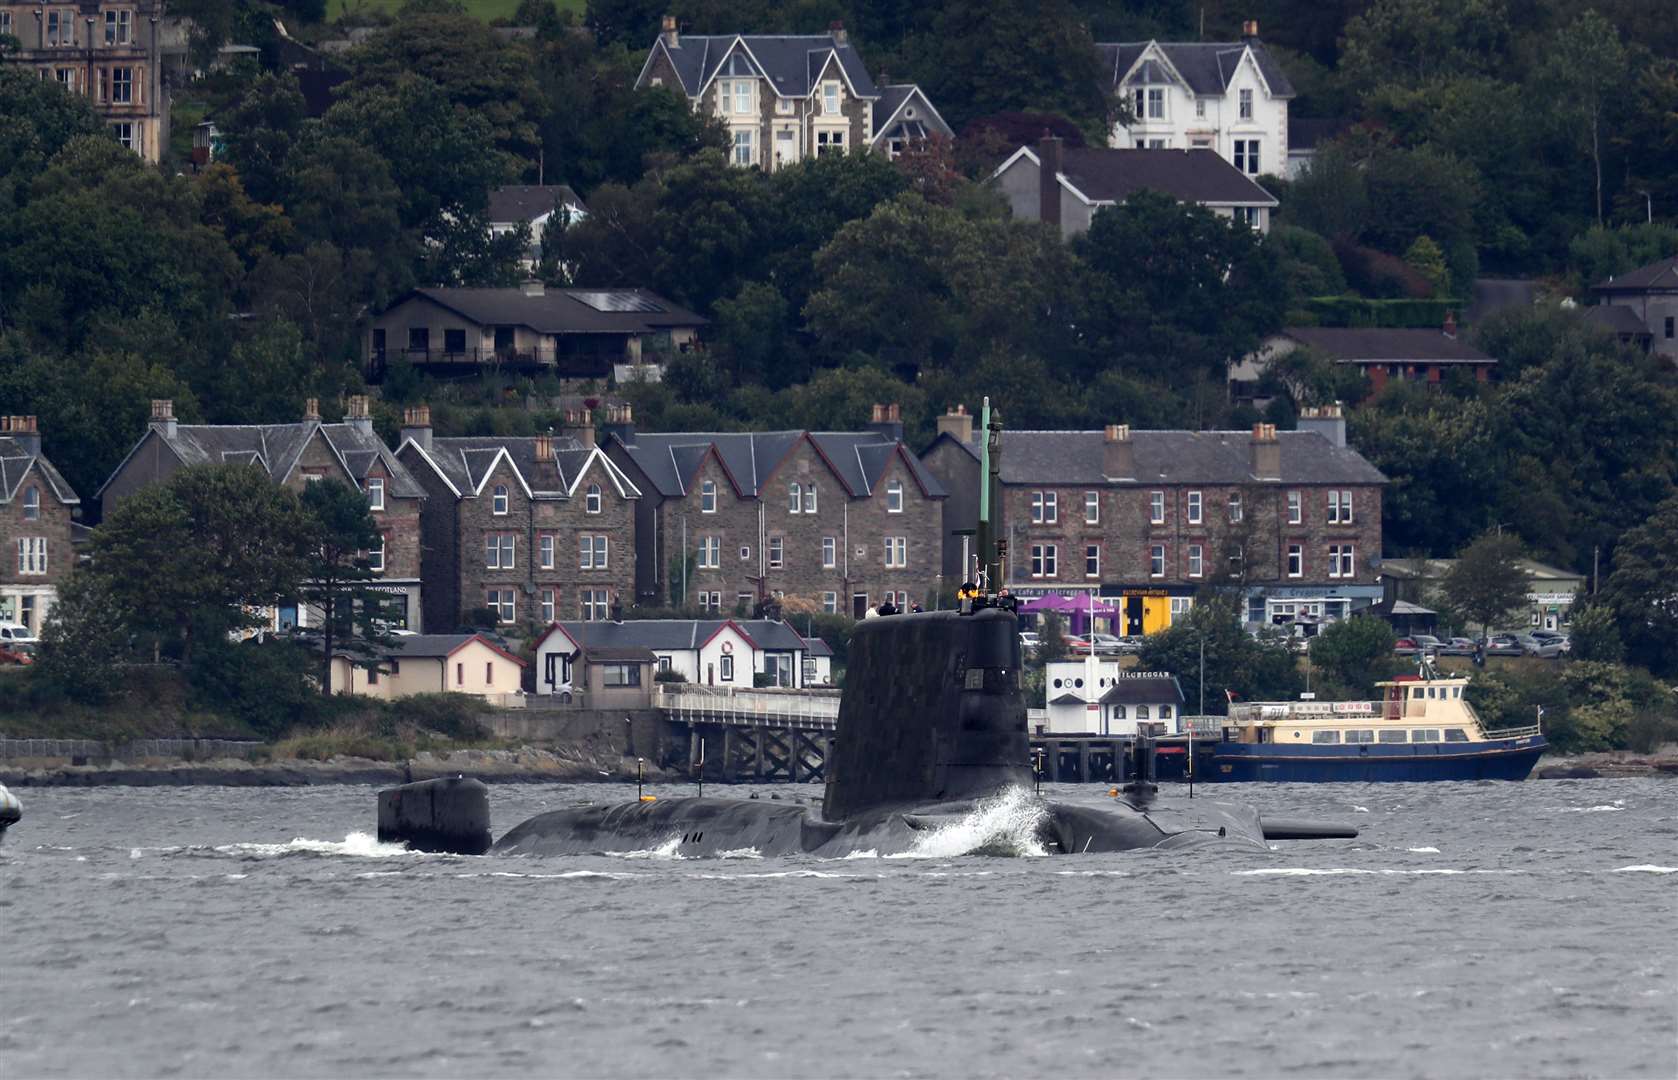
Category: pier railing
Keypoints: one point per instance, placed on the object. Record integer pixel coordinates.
(809, 709)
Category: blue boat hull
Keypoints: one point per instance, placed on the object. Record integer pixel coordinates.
(1501, 759)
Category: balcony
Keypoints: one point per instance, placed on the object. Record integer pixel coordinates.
(445, 360)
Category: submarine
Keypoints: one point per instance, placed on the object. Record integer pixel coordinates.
(932, 731)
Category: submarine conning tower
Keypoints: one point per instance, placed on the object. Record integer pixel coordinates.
(932, 711)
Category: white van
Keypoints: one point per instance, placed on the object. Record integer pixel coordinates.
(11, 631)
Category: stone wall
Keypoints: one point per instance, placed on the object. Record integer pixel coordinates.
(53, 525)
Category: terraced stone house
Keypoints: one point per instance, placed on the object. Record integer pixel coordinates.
(825, 521)
(38, 508)
(292, 455)
(1289, 520)
(536, 529)
(784, 98)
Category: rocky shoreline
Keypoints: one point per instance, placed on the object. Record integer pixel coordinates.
(1608, 764)
(523, 766)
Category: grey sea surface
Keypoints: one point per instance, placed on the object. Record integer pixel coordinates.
(1472, 930)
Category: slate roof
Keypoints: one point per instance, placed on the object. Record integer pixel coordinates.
(1383, 345)
(1197, 176)
(1206, 66)
(1306, 132)
(527, 202)
(609, 654)
(275, 448)
(858, 458)
(1179, 457)
(1165, 690)
(677, 635)
(558, 311)
(816, 646)
(467, 461)
(1619, 319)
(1657, 275)
(430, 646)
(892, 98)
(16, 462)
(792, 63)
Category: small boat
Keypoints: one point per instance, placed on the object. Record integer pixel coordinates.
(1423, 728)
(10, 810)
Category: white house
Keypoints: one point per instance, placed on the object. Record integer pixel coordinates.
(431, 664)
(534, 205)
(708, 652)
(818, 662)
(1229, 97)
(1095, 696)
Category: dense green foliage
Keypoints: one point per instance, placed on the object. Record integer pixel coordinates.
(1251, 668)
(1354, 654)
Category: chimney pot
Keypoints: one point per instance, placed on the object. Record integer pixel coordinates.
(1451, 324)
(163, 416)
(1267, 453)
(667, 30)
(311, 409)
(24, 431)
(837, 29)
(545, 447)
(1249, 29)
(1118, 453)
(956, 424)
(416, 425)
(1049, 167)
(356, 414)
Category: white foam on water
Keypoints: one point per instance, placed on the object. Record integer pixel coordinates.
(740, 853)
(1605, 808)
(777, 874)
(1299, 871)
(1645, 868)
(356, 844)
(1005, 824)
(1423, 850)
(871, 853)
(1356, 809)
(666, 850)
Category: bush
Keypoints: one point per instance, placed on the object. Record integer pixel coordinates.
(670, 676)
(1355, 652)
(265, 684)
(452, 715)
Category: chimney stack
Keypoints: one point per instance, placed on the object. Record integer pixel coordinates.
(840, 37)
(1050, 159)
(888, 422)
(416, 425)
(533, 287)
(545, 447)
(1249, 30)
(667, 30)
(1118, 453)
(311, 410)
(620, 421)
(23, 431)
(1329, 421)
(579, 424)
(1267, 453)
(163, 417)
(957, 424)
(356, 414)
(1451, 325)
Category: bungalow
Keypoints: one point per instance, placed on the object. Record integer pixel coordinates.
(431, 664)
(714, 652)
(1385, 353)
(573, 333)
(818, 662)
(1098, 697)
(1077, 181)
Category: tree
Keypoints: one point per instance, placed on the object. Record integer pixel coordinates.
(1588, 72)
(1410, 42)
(1236, 661)
(1593, 633)
(1356, 653)
(339, 575)
(1487, 584)
(1051, 638)
(194, 555)
(85, 636)
(1643, 589)
(37, 120)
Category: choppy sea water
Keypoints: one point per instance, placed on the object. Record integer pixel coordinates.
(1473, 930)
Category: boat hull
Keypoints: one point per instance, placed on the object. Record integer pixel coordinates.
(1499, 759)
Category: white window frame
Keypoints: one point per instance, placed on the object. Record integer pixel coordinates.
(122, 89)
(375, 493)
(593, 551)
(1156, 508)
(795, 498)
(831, 105)
(1236, 513)
(507, 612)
(31, 555)
(119, 28)
(1196, 509)
(499, 500)
(830, 603)
(830, 552)
(1156, 103)
(545, 545)
(894, 497)
(1296, 560)
(1200, 108)
(501, 551)
(710, 553)
(777, 552)
(594, 605)
(1197, 560)
(708, 497)
(1245, 105)
(745, 146)
(810, 498)
(1156, 560)
(1092, 560)
(897, 552)
(1247, 156)
(1092, 508)
(376, 556)
(1296, 508)
(32, 504)
(592, 503)
(829, 140)
(1044, 560)
(550, 604)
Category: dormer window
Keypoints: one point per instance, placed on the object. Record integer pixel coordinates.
(375, 493)
(591, 500)
(498, 500)
(32, 504)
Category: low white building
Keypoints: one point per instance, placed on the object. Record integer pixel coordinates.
(707, 652)
(1098, 697)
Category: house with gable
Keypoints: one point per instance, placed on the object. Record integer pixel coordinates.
(293, 455)
(534, 528)
(708, 652)
(1229, 97)
(784, 98)
(834, 520)
(38, 508)
(1649, 296)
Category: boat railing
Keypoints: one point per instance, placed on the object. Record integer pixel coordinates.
(1260, 712)
(1513, 732)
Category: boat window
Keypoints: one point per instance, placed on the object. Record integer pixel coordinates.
(1360, 735)
(1325, 736)
(1455, 734)
(1392, 735)
(1416, 693)
(1456, 691)
(1424, 735)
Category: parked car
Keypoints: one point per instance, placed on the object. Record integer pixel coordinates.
(1503, 645)
(1561, 639)
(1404, 646)
(1457, 646)
(1030, 642)
(1107, 644)
(1544, 648)
(1426, 643)
(11, 631)
(1076, 643)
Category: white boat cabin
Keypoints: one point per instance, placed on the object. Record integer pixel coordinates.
(1412, 709)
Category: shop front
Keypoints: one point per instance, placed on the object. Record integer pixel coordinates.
(1147, 609)
(1307, 606)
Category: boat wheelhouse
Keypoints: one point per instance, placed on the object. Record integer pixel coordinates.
(1422, 728)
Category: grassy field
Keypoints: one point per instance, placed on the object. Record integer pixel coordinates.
(483, 9)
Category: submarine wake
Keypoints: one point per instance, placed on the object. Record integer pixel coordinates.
(1008, 824)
